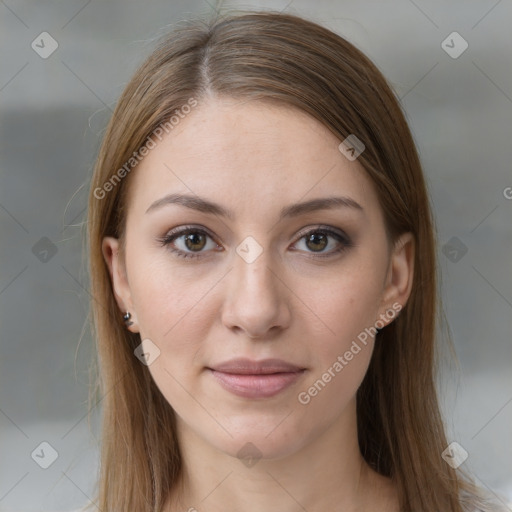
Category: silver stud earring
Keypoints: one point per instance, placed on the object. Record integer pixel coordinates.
(126, 317)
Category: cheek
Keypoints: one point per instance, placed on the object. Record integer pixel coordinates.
(326, 396)
(341, 353)
(347, 303)
(175, 311)
(170, 299)
(340, 365)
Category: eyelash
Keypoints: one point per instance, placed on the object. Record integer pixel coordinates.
(166, 240)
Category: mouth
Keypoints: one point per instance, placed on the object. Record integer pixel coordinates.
(256, 379)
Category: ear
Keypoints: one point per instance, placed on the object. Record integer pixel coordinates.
(120, 285)
(399, 277)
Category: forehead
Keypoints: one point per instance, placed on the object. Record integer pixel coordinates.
(250, 156)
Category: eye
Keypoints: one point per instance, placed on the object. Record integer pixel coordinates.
(189, 242)
(316, 241)
(187, 239)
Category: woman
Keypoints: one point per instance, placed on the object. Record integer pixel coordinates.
(263, 278)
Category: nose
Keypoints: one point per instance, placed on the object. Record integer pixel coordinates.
(257, 299)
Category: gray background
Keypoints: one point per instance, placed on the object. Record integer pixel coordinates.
(52, 114)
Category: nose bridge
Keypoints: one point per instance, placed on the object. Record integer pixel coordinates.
(256, 300)
(254, 270)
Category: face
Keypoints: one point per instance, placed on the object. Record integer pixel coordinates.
(256, 275)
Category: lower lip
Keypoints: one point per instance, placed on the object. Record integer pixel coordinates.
(256, 386)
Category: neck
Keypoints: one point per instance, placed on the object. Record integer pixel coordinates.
(327, 473)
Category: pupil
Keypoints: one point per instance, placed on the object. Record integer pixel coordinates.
(192, 237)
(314, 238)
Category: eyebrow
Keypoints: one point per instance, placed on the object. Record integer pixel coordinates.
(203, 205)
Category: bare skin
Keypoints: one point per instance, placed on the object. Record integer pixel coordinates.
(289, 303)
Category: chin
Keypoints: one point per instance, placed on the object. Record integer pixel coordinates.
(249, 448)
(259, 436)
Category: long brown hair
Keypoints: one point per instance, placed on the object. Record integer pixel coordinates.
(286, 59)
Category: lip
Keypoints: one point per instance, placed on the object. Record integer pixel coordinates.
(256, 379)
(244, 366)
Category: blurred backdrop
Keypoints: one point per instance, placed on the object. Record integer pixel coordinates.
(62, 68)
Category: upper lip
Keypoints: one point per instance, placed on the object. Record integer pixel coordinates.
(249, 367)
